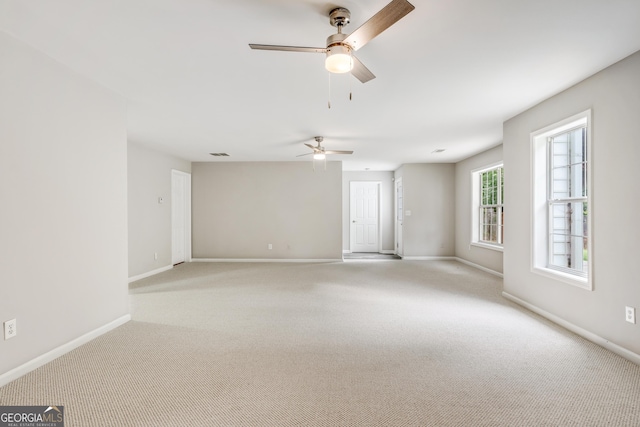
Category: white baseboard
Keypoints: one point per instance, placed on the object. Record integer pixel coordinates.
(25, 368)
(479, 267)
(383, 251)
(596, 339)
(428, 258)
(150, 273)
(263, 260)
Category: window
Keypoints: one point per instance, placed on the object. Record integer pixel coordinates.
(491, 210)
(561, 226)
(487, 206)
(567, 198)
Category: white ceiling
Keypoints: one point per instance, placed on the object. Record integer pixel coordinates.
(448, 74)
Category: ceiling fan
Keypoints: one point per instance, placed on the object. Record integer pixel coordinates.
(319, 153)
(340, 47)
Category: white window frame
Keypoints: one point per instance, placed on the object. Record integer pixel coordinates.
(476, 190)
(540, 203)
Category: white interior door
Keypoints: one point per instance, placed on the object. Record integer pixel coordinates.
(399, 216)
(364, 216)
(180, 217)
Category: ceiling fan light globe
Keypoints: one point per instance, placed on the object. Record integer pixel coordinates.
(319, 156)
(339, 59)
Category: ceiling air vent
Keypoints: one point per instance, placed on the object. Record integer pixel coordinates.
(219, 154)
(438, 150)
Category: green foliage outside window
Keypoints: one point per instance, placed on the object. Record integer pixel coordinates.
(491, 210)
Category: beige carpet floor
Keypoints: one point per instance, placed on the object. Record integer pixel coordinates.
(359, 343)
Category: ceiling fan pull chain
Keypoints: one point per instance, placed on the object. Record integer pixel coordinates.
(329, 102)
(351, 80)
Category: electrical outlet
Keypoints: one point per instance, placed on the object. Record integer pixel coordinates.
(10, 330)
(630, 314)
(155, 255)
(270, 246)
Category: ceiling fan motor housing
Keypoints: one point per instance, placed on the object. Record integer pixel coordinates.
(336, 39)
(335, 45)
(339, 17)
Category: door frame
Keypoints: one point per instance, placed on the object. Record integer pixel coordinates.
(187, 216)
(398, 223)
(351, 233)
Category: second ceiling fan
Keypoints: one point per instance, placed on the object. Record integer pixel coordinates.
(340, 47)
(319, 152)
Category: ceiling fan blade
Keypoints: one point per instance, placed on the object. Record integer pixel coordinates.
(306, 154)
(288, 48)
(386, 17)
(361, 72)
(338, 152)
(314, 148)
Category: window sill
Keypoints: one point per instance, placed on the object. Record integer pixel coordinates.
(570, 279)
(496, 248)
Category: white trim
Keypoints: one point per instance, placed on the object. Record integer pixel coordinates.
(479, 267)
(187, 215)
(428, 258)
(498, 248)
(150, 273)
(539, 218)
(264, 260)
(47, 357)
(596, 339)
(561, 276)
(382, 251)
(488, 167)
(562, 125)
(397, 224)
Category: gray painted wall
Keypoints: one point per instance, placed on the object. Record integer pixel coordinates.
(149, 177)
(429, 193)
(488, 258)
(386, 206)
(239, 208)
(614, 97)
(63, 171)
